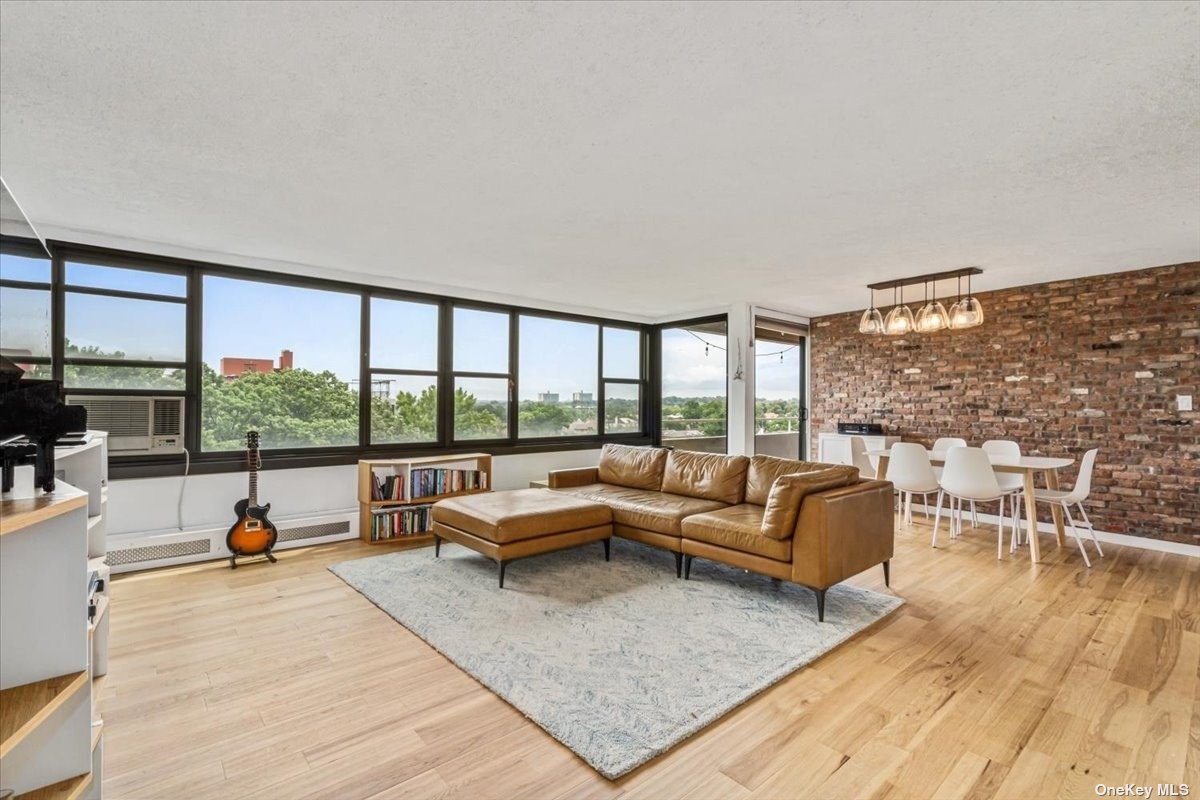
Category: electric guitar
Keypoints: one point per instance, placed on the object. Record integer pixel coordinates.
(252, 534)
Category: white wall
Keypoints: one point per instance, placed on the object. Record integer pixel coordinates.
(146, 505)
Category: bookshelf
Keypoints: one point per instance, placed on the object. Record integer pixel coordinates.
(417, 483)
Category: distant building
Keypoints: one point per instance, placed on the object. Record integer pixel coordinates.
(582, 426)
(582, 397)
(548, 397)
(236, 367)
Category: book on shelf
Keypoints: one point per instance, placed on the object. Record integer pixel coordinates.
(433, 481)
(393, 523)
(387, 487)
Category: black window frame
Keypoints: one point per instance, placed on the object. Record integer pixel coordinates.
(32, 248)
(59, 263)
(656, 358)
(203, 462)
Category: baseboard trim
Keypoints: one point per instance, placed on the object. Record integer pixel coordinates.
(1122, 539)
(154, 549)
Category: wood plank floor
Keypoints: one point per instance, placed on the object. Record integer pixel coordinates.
(996, 679)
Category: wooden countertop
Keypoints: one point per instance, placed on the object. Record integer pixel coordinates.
(18, 513)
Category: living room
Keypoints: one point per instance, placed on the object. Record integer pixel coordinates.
(534, 400)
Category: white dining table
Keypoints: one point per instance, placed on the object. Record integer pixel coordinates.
(1027, 467)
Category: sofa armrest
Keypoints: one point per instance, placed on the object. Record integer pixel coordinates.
(581, 476)
(842, 532)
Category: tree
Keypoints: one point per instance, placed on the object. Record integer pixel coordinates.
(545, 419)
(116, 376)
(405, 417)
(289, 408)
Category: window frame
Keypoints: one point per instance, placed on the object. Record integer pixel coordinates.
(59, 261)
(657, 365)
(32, 248)
(203, 462)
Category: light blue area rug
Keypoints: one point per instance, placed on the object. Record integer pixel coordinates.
(619, 660)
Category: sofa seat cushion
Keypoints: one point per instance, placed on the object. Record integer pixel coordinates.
(639, 508)
(765, 470)
(710, 476)
(513, 516)
(738, 528)
(634, 467)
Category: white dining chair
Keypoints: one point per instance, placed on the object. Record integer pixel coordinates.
(968, 475)
(911, 473)
(1075, 497)
(860, 459)
(1010, 483)
(942, 445)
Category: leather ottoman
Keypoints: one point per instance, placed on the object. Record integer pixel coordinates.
(524, 522)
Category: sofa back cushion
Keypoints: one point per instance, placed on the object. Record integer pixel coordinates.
(764, 470)
(710, 476)
(632, 467)
(788, 493)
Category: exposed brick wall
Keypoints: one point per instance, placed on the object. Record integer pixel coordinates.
(1059, 367)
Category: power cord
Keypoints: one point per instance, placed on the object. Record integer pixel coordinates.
(187, 467)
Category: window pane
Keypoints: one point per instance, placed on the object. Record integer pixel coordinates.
(403, 335)
(121, 329)
(480, 341)
(480, 408)
(622, 408)
(558, 377)
(23, 268)
(282, 360)
(115, 377)
(777, 365)
(39, 372)
(693, 387)
(126, 280)
(403, 408)
(622, 353)
(24, 322)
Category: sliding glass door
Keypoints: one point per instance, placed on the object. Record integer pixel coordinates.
(779, 388)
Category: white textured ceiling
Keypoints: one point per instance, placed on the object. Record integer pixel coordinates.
(645, 158)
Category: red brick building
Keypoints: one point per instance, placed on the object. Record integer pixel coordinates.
(234, 367)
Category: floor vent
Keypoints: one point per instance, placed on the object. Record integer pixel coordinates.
(157, 552)
(314, 531)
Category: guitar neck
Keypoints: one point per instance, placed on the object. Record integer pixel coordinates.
(253, 455)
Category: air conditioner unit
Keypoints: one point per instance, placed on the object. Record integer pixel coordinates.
(135, 425)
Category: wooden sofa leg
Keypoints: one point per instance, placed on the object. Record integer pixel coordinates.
(502, 564)
(437, 546)
(607, 551)
(687, 567)
(679, 565)
(887, 573)
(820, 605)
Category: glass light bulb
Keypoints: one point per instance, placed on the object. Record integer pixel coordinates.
(932, 317)
(899, 321)
(871, 322)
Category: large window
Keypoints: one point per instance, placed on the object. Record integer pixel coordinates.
(622, 372)
(282, 360)
(694, 408)
(25, 326)
(404, 364)
(323, 367)
(558, 379)
(482, 378)
(124, 328)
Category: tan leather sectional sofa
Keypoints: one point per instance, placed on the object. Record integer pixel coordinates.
(812, 524)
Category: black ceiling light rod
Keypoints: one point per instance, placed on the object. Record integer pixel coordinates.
(932, 277)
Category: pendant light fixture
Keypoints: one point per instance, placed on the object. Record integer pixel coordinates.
(932, 316)
(872, 321)
(899, 320)
(967, 312)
